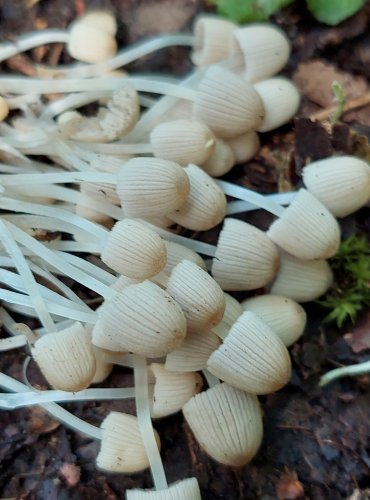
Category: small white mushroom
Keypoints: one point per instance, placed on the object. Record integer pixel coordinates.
(227, 424)
(187, 489)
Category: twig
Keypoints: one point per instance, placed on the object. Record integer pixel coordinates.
(358, 102)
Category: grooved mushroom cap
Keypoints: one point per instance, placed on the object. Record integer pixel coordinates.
(301, 280)
(143, 319)
(306, 229)
(134, 250)
(183, 141)
(285, 316)
(122, 448)
(176, 253)
(187, 489)
(342, 184)
(212, 38)
(265, 48)
(205, 206)
(193, 353)
(280, 98)
(252, 357)
(227, 103)
(199, 296)
(66, 358)
(245, 257)
(150, 187)
(220, 161)
(233, 310)
(227, 424)
(172, 390)
(4, 109)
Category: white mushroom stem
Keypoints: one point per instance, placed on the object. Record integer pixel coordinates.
(345, 371)
(30, 40)
(30, 283)
(19, 85)
(30, 398)
(240, 206)
(252, 197)
(54, 410)
(12, 343)
(16, 282)
(145, 423)
(26, 307)
(59, 262)
(122, 58)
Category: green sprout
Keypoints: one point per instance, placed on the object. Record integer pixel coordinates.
(350, 293)
(340, 98)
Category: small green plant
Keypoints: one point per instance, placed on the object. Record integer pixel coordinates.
(351, 289)
(330, 12)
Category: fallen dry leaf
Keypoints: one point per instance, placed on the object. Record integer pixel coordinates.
(289, 487)
(359, 338)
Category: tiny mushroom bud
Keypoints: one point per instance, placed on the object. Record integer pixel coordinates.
(227, 423)
(285, 316)
(66, 358)
(220, 161)
(342, 184)
(252, 357)
(91, 41)
(205, 206)
(122, 448)
(244, 146)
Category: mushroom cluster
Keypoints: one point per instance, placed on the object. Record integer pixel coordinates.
(119, 185)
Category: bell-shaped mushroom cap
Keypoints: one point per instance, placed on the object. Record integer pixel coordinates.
(306, 229)
(342, 184)
(220, 161)
(252, 357)
(301, 280)
(281, 101)
(172, 390)
(227, 424)
(193, 353)
(66, 358)
(143, 319)
(198, 294)
(134, 250)
(285, 316)
(265, 48)
(227, 103)
(183, 141)
(122, 448)
(244, 146)
(150, 187)
(102, 19)
(176, 253)
(233, 310)
(212, 38)
(245, 257)
(187, 489)
(205, 206)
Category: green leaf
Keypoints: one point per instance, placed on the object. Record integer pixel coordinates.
(332, 12)
(246, 11)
